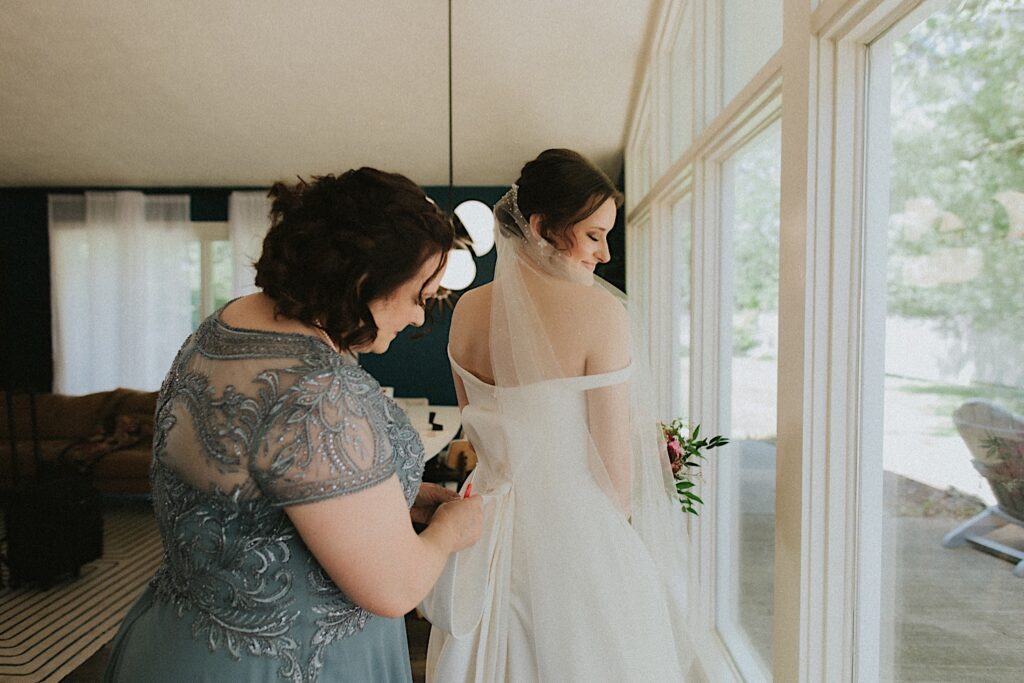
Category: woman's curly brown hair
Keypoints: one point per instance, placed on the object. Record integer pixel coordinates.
(337, 243)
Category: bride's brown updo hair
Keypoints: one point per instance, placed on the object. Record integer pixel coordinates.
(337, 243)
(564, 187)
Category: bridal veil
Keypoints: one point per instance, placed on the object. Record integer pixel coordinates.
(582, 562)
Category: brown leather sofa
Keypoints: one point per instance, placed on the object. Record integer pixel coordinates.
(109, 434)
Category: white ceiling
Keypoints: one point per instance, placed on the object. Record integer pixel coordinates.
(245, 92)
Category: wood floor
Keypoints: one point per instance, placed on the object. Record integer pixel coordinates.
(952, 614)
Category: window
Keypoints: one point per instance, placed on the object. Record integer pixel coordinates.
(751, 33)
(640, 152)
(681, 72)
(639, 245)
(131, 276)
(209, 269)
(856, 277)
(119, 288)
(745, 493)
(949, 139)
(681, 303)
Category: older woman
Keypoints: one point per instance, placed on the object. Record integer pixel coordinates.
(283, 477)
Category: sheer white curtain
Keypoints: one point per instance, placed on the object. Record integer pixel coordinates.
(120, 288)
(248, 222)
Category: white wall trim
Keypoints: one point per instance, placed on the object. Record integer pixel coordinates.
(705, 388)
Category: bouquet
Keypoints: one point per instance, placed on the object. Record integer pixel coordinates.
(684, 447)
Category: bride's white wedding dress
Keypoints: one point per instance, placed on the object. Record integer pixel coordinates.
(561, 588)
(562, 585)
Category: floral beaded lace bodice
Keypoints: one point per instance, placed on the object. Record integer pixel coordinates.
(247, 423)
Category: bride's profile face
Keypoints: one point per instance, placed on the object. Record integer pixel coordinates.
(589, 237)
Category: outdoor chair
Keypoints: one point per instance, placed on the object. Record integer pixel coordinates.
(995, 438)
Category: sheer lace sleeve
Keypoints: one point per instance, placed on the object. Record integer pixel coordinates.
(326, 437)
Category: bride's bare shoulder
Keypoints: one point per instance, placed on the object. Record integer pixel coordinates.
(472, 307)
(603, 306)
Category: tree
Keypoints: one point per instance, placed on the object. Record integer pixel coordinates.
(957, 172)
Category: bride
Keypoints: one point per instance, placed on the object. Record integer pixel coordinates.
(579, 573)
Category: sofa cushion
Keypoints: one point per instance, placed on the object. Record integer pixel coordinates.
(57, 416)
(121, 419)
(125, 431)
(131, 402)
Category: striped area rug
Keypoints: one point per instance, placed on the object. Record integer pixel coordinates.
(45, 635)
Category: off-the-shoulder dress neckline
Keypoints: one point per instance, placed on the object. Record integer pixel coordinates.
(595, 380)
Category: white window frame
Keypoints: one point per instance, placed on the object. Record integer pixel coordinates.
(639, 243)
(762, 113)
(842, 556)
(679, 401)
(638, 146)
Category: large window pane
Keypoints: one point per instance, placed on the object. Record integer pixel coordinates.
(746, 491)
(638, 278)
(681, 87)
(221, 272)
(640, 158)
(643, 164)
(209, 271)
(751, 33)
(194, 269)
(954, 347)
(681, 303)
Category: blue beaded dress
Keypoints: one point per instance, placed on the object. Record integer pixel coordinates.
(248, 422)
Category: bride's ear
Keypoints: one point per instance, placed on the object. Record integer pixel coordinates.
(535, 226)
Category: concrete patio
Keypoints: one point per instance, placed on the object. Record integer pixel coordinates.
(948, 614)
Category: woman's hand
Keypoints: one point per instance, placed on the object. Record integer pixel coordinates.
(367, 545)
(427, 501)
(462, 518)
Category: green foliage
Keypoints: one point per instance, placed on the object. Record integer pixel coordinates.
(957, 128)
(744, 335)
(756, 178)
(957, 139)
(684, 448)
(952, 395)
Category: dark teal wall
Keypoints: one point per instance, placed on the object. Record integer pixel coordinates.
(416, 364)
(25, 355)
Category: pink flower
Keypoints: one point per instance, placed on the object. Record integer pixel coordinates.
(675, 453)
